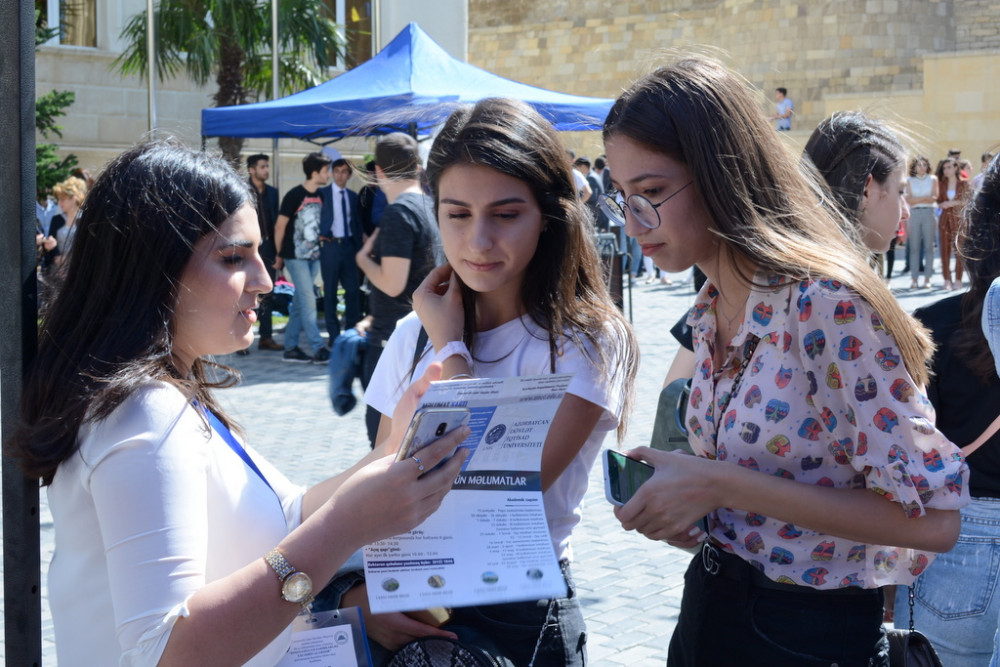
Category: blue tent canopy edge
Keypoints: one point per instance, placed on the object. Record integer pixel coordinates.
(411, 85)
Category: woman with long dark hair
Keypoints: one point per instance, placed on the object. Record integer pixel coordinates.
(953, 191)
(175, 543)
(522, 294)
(817, 463)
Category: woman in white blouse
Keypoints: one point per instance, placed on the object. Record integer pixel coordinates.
(176, 544)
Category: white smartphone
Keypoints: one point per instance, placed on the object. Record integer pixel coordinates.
(429, 424)
(623, 476)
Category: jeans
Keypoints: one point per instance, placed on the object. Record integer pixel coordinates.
(920, 241)
(957, 601)
(991, 320)
(736, 621)
(634, 255)
(303, 273)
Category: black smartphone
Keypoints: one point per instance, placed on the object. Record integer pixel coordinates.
(429, 424)
(623, 476)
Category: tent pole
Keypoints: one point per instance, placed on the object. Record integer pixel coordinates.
(275, 161)
(411, 129)
(275, 61)
(151, 69)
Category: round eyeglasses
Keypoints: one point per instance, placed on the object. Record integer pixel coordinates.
(643, 210)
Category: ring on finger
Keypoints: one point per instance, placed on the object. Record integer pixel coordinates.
(416, 459)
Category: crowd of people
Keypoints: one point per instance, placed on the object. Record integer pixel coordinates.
(840, 444)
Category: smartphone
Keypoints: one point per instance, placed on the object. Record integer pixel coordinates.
(623, 476)
(429, 424)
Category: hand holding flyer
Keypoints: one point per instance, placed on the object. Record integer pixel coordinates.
(489, 541)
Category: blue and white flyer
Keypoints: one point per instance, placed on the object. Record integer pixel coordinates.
(488, 542)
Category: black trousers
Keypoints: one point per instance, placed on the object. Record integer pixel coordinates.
(735, 616)
(338, 265)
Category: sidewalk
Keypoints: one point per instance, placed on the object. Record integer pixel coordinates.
(630, 587)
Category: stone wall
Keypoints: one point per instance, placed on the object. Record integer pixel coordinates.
(596, 47)
(977, 25)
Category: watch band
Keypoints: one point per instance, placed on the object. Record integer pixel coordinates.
(284, 570)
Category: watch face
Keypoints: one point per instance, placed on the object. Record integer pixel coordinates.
(297, 587)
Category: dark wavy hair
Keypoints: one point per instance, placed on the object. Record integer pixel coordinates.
(109, 330)
(979, 245)
(564, 290)
(846, 148)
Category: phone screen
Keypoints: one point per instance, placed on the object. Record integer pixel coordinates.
(623, 476)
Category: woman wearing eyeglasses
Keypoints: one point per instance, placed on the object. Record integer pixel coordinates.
(817, 462)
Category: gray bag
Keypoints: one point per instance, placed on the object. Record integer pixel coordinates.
(669, 432)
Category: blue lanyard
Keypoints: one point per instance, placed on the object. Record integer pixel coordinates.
(233, 443)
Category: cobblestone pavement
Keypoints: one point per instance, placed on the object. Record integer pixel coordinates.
(630, 587)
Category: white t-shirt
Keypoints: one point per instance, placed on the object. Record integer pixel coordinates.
(520, 347)
(149, 510)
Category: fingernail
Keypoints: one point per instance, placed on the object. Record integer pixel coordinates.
(703, 537)
(694, 531)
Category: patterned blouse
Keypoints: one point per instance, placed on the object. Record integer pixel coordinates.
(826, 400)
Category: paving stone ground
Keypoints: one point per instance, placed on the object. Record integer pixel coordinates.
(630, 587)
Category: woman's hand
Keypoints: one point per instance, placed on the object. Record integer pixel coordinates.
(668, 505)
(390, 630)
(388, 497)
(438, 304)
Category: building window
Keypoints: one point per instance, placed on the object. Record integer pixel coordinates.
(76, 19)
(355, 16)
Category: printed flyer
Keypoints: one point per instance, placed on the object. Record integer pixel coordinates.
(489, 542)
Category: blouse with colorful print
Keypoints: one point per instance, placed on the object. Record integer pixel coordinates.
(826, 400)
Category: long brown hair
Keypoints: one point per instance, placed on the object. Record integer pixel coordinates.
(109, 330)
(767, 209)
(563, 290)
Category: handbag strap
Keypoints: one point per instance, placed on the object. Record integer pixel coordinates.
(981, 440)
(910, 590)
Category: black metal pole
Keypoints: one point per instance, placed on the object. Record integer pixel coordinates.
(18, 328)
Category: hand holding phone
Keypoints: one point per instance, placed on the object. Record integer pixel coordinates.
(429, 424)
(623, 476)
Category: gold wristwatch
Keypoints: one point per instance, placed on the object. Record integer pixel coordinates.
(295, 586)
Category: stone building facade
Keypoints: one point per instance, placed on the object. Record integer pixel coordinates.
(868, 53)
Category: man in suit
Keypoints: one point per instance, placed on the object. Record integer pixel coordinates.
(259, 168)
(340, 240)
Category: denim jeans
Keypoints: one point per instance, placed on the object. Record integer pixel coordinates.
(991, 320)
(303, 273)
(957, 601)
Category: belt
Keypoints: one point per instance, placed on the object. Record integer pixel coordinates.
(719, 562)
(324, 240)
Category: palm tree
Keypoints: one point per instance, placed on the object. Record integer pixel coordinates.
(232, 39)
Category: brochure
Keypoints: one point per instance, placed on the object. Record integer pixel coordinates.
(489, 542)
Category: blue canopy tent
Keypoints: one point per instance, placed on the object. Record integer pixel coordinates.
(411, 85)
